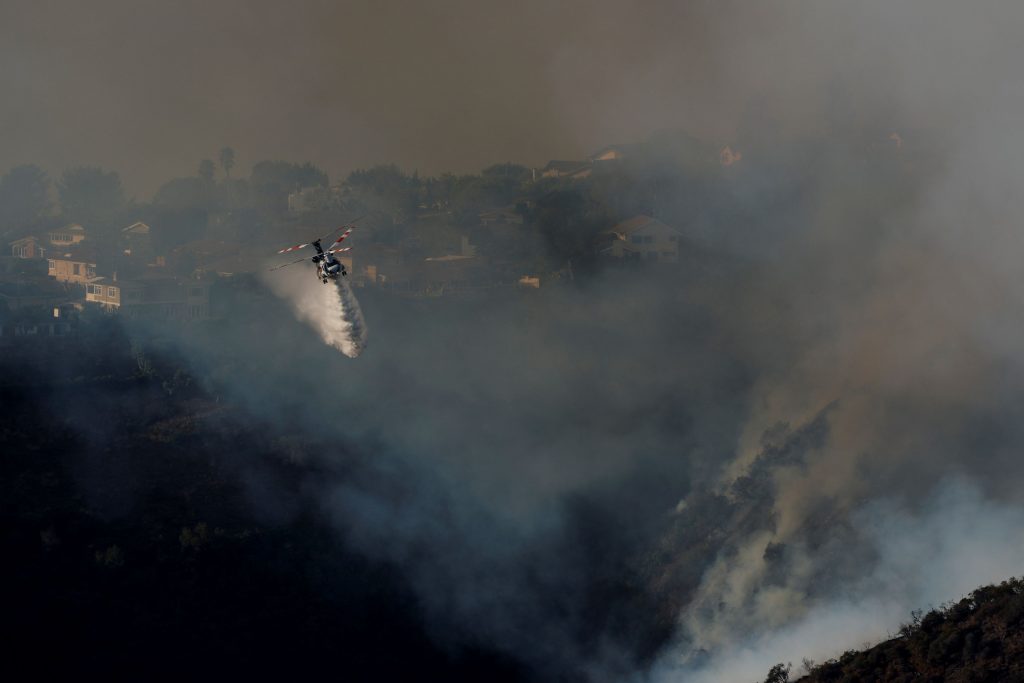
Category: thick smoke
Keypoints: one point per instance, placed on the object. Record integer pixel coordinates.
(894, 286)
(695, 466)
(332, 309)
(773, 453)
(955, 541)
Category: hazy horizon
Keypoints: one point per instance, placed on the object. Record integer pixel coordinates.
(149, 89)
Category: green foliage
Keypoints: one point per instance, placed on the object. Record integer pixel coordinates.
(24, 197)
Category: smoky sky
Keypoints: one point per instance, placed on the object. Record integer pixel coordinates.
(150, 88)
(859, 349)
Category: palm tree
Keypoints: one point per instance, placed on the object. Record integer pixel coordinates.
(227, 160)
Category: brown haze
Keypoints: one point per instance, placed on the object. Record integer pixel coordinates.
(149, 88)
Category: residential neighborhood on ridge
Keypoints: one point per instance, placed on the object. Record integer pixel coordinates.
(508, 227)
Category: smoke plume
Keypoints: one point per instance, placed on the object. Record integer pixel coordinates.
(331, 309)
(771, 452)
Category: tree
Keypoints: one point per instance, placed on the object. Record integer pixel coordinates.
(515, 172)
(778, 674)
(570, 219)
(24, 196)
(90, 195)
(185, 193)
(272, 181)
(206, 170)
(227, 160)
(385, 188)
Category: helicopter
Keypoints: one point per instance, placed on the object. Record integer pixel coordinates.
(327, 266)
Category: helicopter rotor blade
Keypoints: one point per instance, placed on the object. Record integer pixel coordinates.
(342, 238)
(297, 246)
(335, 251)
(351, 224)
(285, 265)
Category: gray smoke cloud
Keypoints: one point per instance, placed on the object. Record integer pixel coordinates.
(957, 540)
(713, 438)
(773, 453)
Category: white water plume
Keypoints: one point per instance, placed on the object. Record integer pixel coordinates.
(331, 309)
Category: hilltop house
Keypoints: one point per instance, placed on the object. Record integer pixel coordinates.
(36, 324)
(161, 298)
(77, 266)
(612, 153)
(137, 241)
(28, 247)
(642, 237)
(566, 169)
(66, 236)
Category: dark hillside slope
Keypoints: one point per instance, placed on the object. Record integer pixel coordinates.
(132, 545)
(979, 638)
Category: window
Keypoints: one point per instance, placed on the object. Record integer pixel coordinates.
(77, 268)
(51, 264)
(111, 292)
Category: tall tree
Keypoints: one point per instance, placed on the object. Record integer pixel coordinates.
(206, 170)
(90, 195)
(272, 181)
(24, 196)
(227, 160)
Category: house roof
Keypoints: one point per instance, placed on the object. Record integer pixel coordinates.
(70, 227)
(565, 166)
(25, 240)
(641, 222)
(77, 255)
(621, 149)
(138, 228)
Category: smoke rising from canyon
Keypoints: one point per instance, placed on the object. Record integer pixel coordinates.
(689, 474)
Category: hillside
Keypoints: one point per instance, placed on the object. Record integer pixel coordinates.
(133, 544)
(979, 638)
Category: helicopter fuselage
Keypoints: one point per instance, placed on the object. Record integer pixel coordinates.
(327, 267)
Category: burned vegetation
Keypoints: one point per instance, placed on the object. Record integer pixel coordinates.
(132, 545)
